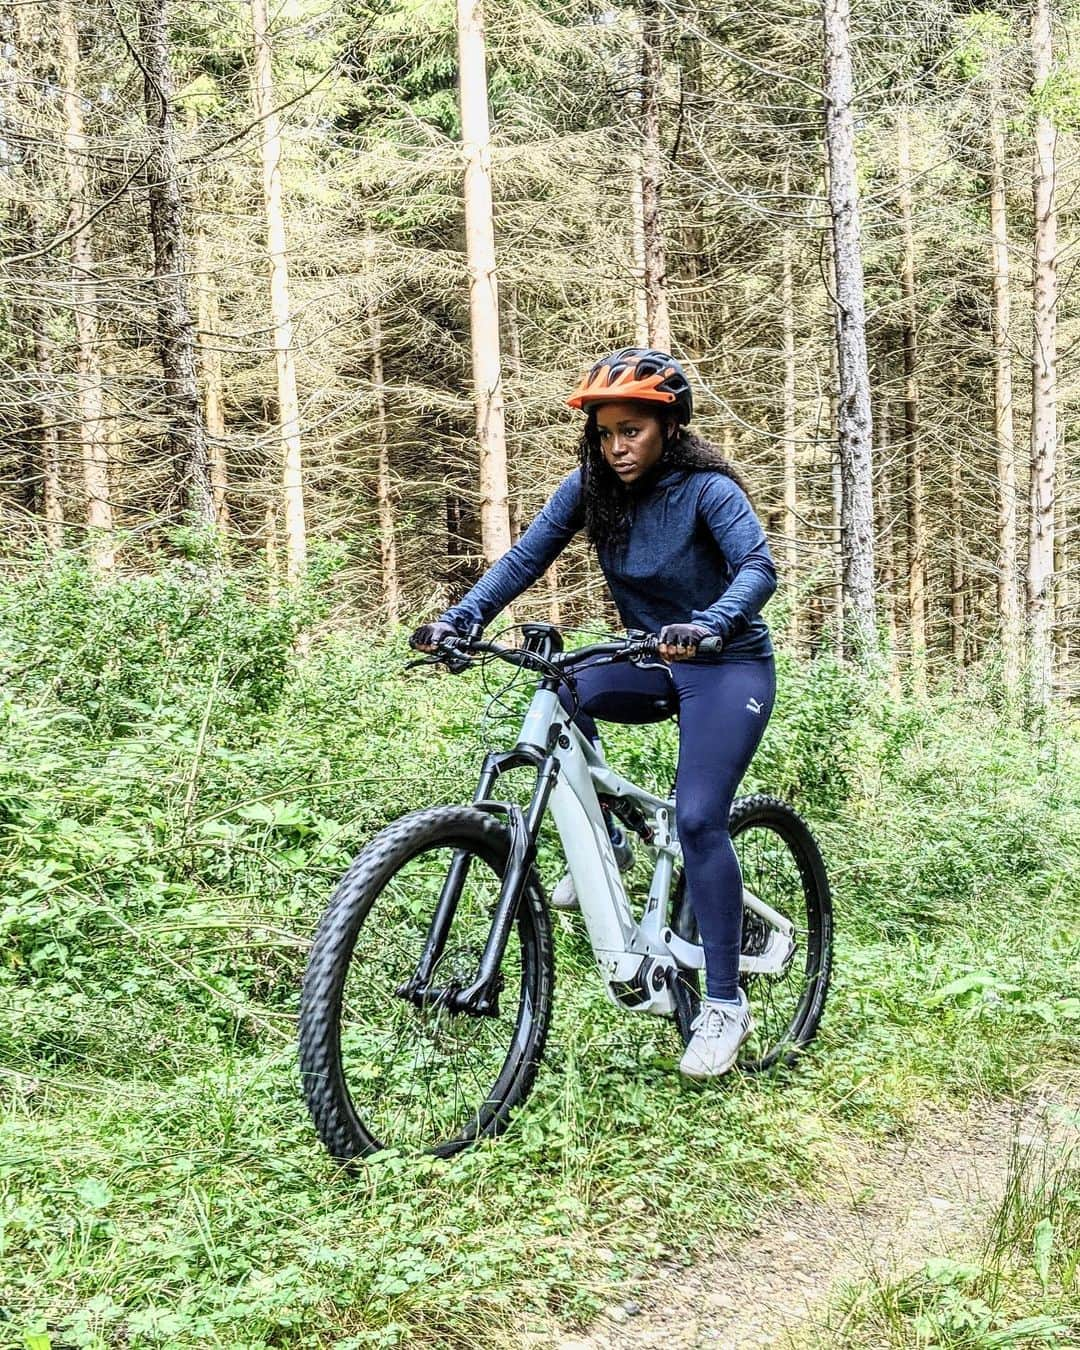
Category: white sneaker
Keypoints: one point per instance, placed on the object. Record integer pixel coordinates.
(565, 897)
(719, 1030)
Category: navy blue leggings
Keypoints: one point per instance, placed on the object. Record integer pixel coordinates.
(723, 708)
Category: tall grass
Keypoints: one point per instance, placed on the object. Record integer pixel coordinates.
(178, 794)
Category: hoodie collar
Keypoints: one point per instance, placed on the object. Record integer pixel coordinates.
(662, 474)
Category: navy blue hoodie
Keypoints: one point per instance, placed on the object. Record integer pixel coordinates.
(695, 553)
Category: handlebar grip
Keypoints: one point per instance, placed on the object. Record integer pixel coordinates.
(710, 646)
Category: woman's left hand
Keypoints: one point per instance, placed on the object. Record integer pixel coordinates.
(679, 641)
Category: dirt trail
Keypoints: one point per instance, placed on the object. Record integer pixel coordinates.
(886, 1210)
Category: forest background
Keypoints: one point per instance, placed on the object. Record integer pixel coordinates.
(240, 255)
(252, 420)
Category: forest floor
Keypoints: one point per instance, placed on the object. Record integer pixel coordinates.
(880, 1213)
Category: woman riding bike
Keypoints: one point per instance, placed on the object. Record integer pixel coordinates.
(684, 556)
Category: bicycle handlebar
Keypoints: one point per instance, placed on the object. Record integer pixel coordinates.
(455, 653)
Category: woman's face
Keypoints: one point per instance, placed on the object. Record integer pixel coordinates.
(631, 437)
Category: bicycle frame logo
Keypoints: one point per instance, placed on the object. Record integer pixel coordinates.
(638, 961)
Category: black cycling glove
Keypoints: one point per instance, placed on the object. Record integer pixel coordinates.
(685, 636)
(428, 636)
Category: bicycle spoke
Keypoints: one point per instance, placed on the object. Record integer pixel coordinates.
(422, 1076)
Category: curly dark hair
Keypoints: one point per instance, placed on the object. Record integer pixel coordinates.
(606, 498)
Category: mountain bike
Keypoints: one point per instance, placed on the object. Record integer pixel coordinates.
(428, 991)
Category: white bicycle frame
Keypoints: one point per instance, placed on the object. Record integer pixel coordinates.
(637, 960)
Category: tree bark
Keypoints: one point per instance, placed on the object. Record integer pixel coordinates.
(916, 497)
(886, 543)
(554, 605)
(1064, 601)
(787, 303)
(213, 392)
(641, 303)
(280, 315)
(52, 502)
(209, 351)
(23, 61)
(483, 282)
(1040, 570)
(727, 431)
(652, 171)
(384, 491)
(853, 411)
(956, 552)
(92, 431)
(186, 435)
(836, 537)
(1007, 591)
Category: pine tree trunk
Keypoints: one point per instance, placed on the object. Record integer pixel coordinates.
(52, 501)
(836, 479)
(727, 431)
(1008, 595)
(512, 345)
(956, 552)
(656, 299)
(916, 503)
(641, 303)
(186, 436)
(694, 321)
(213, 392)
(554, 606)
(209, 351)
(1064, 604)
(383, 489)
(1043, 377)
(92, 430)
(280, 315)
(23, 60)
(787, 302)
(483, 282)
(854, 419)
(270, 538)
(885, 550)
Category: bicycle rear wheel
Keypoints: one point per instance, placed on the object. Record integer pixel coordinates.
(782, 865)
(379, 1072)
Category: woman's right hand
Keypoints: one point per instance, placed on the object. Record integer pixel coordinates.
(428, 636)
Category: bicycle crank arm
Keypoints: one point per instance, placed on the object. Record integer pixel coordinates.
(774, 960)
(771, 916)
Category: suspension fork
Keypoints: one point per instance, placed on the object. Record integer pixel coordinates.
(481, 997)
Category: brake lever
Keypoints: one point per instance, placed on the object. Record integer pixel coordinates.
(454, 662)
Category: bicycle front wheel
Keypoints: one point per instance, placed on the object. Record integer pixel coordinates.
(377, 1070)
(780, 864)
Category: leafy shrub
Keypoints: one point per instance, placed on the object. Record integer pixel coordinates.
(811, 748)
(116, 649)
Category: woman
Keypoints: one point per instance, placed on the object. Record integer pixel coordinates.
(685, 557)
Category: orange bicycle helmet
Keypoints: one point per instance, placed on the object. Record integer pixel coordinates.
(636, 373)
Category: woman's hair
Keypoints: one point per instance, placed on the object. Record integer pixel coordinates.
(606, 498)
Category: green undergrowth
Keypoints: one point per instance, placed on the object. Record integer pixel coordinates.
(179, 793)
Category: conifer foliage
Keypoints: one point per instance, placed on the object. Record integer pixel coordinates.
(306, 273)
